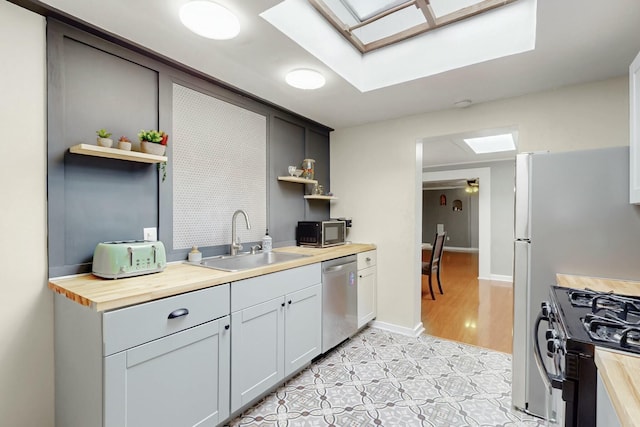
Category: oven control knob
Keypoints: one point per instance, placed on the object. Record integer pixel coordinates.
(546, 310)
(551, 334)
(553, 346)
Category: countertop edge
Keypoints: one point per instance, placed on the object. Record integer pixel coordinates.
(83, 289)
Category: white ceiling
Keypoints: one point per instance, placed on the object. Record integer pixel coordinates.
(577, 41)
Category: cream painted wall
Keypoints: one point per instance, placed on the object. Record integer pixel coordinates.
(373, 170)
(26, 336)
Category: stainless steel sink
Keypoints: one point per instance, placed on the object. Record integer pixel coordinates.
(247, 261)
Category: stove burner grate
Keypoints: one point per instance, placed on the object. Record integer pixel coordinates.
(625, 308)
(610, 329)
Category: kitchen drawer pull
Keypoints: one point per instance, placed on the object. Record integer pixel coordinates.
(368, 259)
(178, 313)
(289, 302)
(282, 304)
(226, 327)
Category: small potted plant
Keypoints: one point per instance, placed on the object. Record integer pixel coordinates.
(153, 142)
(103, 138)
(124, 143)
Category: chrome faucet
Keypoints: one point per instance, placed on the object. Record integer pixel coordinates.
(235, 241)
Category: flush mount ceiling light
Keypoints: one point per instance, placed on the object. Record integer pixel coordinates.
(304, 78)
(491, 144)
(463, 104)
(209, 20)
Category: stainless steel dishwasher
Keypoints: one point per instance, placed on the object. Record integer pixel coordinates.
(339, 301)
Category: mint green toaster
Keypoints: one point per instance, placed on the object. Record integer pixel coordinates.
(120, 259)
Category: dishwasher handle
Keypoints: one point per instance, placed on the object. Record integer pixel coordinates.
(334, 269)
(337, 268)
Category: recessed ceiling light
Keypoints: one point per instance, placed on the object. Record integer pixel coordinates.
(491, 144)
(304, 78)
(209, 20)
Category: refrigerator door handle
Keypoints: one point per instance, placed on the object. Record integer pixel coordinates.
(523, 197)
(521, 325)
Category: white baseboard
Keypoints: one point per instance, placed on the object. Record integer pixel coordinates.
(501, 278)
(415, 332)
(428, 246)
(457, 249)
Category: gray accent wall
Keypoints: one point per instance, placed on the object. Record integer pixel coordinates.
(316, 148)
(502, 211)
(461, 226)
(93, 84)
(93, 199)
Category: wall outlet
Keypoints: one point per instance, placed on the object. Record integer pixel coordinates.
(150, 234)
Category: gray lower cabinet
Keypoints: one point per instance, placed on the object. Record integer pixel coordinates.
(161, 363)
(179, 380)
(606, 415)
(302, 328)
(277, 329)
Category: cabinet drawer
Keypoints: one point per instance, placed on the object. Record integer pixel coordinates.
(132, 326)
(367, 259)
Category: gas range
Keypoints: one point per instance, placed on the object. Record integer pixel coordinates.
(578, 321)
(609, 320)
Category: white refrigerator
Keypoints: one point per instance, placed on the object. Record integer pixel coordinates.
(572, 216)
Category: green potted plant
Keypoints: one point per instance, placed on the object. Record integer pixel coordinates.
(103, 138)
(153, 142)
(124, 143)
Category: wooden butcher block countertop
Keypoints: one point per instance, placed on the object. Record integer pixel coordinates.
(620, 372)
(624, 287)
(104, 294)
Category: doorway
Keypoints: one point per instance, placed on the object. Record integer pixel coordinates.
(474, 308)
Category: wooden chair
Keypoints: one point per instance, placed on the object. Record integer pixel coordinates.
(434, 265)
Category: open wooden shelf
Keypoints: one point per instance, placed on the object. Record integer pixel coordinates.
(115, 153)
(297, 180)
(319, 197)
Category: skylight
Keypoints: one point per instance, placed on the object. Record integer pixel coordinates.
(491, 144)
(504, 31)
(372, 24)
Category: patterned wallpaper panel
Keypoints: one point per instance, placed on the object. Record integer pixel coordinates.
(219, 166)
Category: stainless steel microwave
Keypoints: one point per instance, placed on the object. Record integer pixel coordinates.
(321, 234)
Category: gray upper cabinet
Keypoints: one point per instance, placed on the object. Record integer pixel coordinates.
(634, 131)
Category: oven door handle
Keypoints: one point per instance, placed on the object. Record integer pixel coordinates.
(551, 381)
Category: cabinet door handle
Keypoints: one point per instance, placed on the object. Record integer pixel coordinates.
(360, 276)
(368, 259)
(226, 327)
(282, 304)
(289, 302)
(178, 313)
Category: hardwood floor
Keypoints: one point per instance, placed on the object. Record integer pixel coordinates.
(472, 311)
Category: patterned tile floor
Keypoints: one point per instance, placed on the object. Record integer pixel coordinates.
(379, 378)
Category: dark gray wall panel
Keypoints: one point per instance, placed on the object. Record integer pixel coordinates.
(95, 83)
(97, 199)
(317, 148)
(286, 202)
